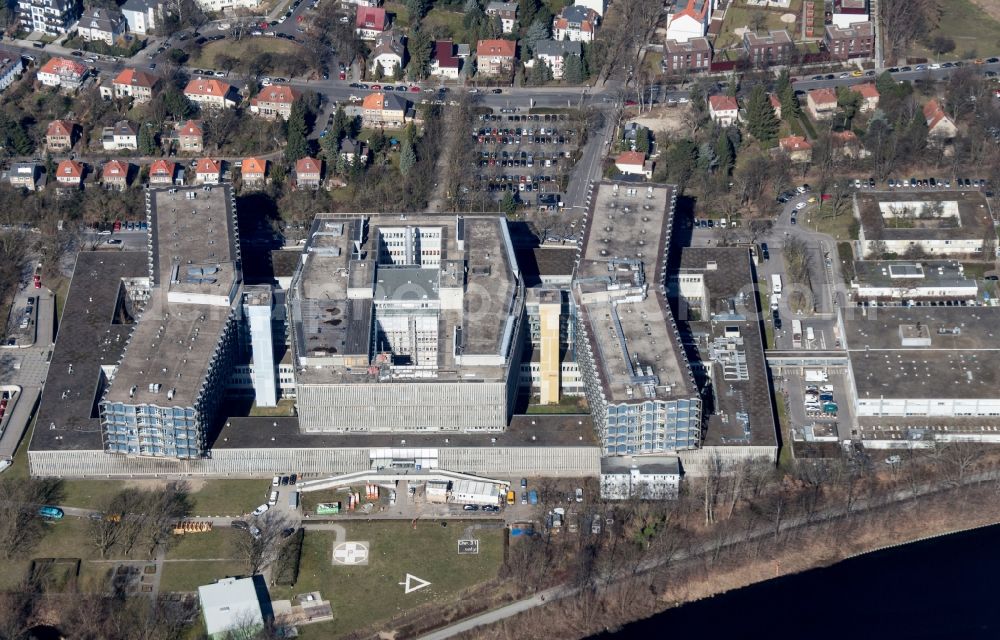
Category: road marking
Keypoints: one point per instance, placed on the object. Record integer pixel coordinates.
(413, 583)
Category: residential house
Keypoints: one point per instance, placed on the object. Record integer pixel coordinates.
(692, 55)
(24, 175)
(495, 57)
(796, 148)
(370, 22)
(59, 136)
(940, 128)
(849, 13)
(383, 110)
(138, 85)
(69, 173)
(122, 136)
(211, 93)
(114, 175)
(308, 173)
(351, 149)
(51, 17)
(845, 144)
(642, 478)
(389, 53)
(724, 109)
(575, 22)
(253, 172)
(444, 62)
(190, 137)
(869, 96)
(63, 73)
(854, 41)
(633, 163)
(207, 171)
(11, 66)
(162, 172)
(763, 51)
(98, 24)
(821, 103)
(506, 12)
(553, 53)
(274, 102)
(143, 16)
(775, 104)
(689, 19)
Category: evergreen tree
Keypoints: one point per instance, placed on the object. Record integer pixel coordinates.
(536, 32)
(340, 125)
(724, 153)
(642, 140)
(849, 101)
(761, 121)
(418, 9)
(790, 109)
(681, 162)
(508, 204)
(573, 71)
(540, 73)
(177, 104)
(884, 83)
(407, 158)
(342, 167)
(297, 146)
(397, 72)
(330, 146)
(527, 10)
(419, 46)
(147, 140)
(707, 160)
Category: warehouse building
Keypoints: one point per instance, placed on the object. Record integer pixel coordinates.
(923, 374)
(639, 385)
(406, 325)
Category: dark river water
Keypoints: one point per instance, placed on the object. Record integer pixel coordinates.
(948, 587)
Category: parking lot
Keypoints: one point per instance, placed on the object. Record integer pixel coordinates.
(526, 154)
(813, 400)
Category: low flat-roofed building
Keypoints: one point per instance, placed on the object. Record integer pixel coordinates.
(919, 374)
(939, 223)
(231, 606)
(903, 281)
(478, 492)
(716, 307)
(643, 477)
(407, 324)
(639, 384)
(168, 385)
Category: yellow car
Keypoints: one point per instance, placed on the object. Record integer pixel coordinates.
(812, 199)
(856, 74)
(979, 61)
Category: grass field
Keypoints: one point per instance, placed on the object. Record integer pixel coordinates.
(191, 574)
(400, 14)
(739, 15)
(837, 226)
(213, 545)
(970, 27)
(449, 21)
(244, 49)
(366, 594)
(209, 497)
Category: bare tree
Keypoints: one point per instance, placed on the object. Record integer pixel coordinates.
(259, 547)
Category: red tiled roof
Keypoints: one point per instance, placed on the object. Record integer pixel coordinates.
(114, 169)
(191, 128)
(370, 18)
(59, 128)
(63, 66)
(207, 165)
(307, 165)
(823, 96)
(69, 169)
(134, 78)
(277, 93)
(867, 90)
(631, 157)
(723, 103)
(162, 168)
(933, 113)
(794, 143)
(253, 165)
(844, 137)
(207, 87)
(504, 48)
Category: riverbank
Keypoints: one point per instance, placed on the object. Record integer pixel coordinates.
(738, 564)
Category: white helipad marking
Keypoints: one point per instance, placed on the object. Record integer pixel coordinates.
(351, 553)
(413, 583)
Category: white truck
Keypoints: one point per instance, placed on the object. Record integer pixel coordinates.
(816, 375)
(775, 284)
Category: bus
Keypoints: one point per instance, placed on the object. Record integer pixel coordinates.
(796, 334)
(55, 513)
(37, 279)
(775, 284)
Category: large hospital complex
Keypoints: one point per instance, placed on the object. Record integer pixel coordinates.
(405, 340)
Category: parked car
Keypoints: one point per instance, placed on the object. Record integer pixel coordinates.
(470, 507)
(261, 510)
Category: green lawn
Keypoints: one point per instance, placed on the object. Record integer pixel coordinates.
(448, 21)
(400, 14)
(243, 49)
(215, 544)
(738, 15)
(970, 27)
(837, 226)
(229, 497)
(189, 575)
(66, 538)
(363, 595)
